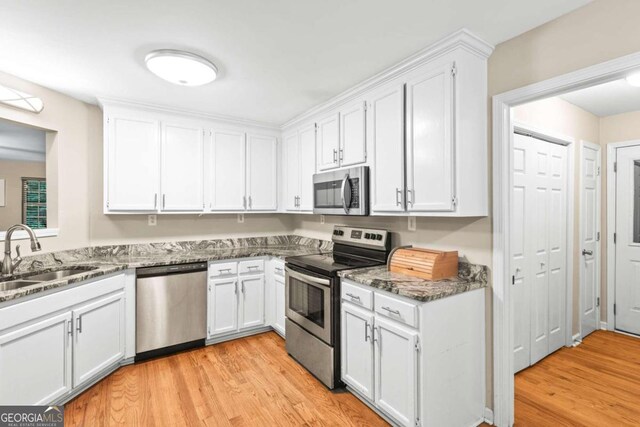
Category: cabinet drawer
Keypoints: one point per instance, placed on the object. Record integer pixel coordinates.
(396, 309)
(357, 296)
(278, 269)
(252, 266)
(223, 269)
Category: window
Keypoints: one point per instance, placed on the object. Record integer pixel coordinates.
(34, 202)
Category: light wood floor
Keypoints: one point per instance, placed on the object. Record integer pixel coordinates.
(594, 384)
(246, 382)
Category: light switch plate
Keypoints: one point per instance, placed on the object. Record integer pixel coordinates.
(240, 218)
(152, 220)
(411, 223)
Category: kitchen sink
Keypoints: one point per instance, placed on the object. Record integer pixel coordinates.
(57, 275)
(16, 284)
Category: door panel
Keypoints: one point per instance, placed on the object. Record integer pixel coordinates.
(223, 306)
(387, 134)
(357, 349)
(328, 142)
(182, 168)
(228, 165)
(98, 337)
(291, 172)
(307, 167)
(252, 301)
(134, 164)
(430, 141)
(353, 135)
(262, 165)
(627, 292)
(43, 350)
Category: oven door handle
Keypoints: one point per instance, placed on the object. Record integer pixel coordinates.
(346, 197)
(308, 279)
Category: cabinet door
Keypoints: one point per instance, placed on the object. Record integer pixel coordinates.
(279, 305)
(133, 167)
(262, 154)
(396, 360)
(307, 167)
(353, 148)
(35, 362)
(99, 337)
(291, 174)
(251, 301)
(328, 142)
(357, 349)
(223, 306)
(387, 135)
(430, 141)
(182, 168)
(228, 171)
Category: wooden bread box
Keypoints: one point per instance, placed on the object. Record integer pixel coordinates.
(427, 264)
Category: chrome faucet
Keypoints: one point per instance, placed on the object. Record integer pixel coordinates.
(8, 265)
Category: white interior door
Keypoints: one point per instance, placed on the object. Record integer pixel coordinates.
(262, 154)
(228, 166)
(627, 292)
(589, 237)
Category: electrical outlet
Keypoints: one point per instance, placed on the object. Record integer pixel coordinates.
(411, 224)
(321, 219)
(152, 220)
(240, 218)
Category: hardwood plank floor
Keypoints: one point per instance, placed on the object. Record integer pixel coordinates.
(251, 381)
(594, 384)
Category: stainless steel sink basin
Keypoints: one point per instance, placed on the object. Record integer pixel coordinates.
(16, 284)
(57, 275)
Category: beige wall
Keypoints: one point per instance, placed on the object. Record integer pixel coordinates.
(12, 172)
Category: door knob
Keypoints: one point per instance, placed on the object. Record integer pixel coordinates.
(586, 252)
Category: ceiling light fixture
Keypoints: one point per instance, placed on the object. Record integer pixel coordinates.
(634, 79)
(22, 100)
(181, 68)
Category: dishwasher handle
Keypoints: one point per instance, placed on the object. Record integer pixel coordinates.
(165, 270)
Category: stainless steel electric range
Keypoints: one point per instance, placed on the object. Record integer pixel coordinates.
(313, 297)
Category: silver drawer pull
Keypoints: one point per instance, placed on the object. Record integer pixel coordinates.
(222, 270)
(252, 267)
(392, 311)
(353, 296)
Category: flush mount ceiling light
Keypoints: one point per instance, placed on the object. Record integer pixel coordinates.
(17, 99)
(181, 68)
(634, 79)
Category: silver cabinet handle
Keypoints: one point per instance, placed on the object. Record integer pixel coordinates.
(243, 288)
(586, 252)
(341, 154)
(79, 324)
(251, 267)
(374, 329)
(279, 270)
(249, 202)
(155, 201)
(410, 200)
(164, 200)
(70, 328)
(236, 287)
(366, 331)
(335, 156)
(244, 202)
(353, 296)
(228, 270)
(398, 196)
(391, 311)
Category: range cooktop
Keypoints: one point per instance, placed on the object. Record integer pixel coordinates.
(331, 263)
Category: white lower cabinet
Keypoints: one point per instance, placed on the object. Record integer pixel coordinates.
(52, 346)
(251, 301)
(357, 349)
(280, 308)
(223, 306)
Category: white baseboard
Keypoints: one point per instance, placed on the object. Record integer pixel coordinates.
(488, 416)
(577, 340)
(603, 326)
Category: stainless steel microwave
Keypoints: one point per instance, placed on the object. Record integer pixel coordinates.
(342, 192)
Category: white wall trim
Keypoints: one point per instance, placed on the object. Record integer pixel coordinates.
(603, 325)
(488, 416)
(502, 181)
(576, 340)
(22, 235)
(462, 38)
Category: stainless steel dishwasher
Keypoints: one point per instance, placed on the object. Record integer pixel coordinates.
(171, 309)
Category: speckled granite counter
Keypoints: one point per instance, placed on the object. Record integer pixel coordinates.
(470, 277)
(103, 260)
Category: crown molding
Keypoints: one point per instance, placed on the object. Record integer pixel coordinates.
(230, 120)
(460, 39)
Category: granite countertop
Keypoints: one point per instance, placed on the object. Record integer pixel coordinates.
(103, 260)
(470, 277)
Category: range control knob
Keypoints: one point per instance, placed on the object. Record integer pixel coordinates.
(379, 237)
(367, 235)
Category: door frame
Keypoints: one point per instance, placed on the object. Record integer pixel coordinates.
(552, 137)
(598, 255)
(612, 150)
(502, 161)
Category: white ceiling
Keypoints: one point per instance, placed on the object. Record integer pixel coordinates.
(607, 99)
(277, 58)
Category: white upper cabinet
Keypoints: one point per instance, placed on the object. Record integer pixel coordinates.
(386, 130)
(132, 168)
(299, 165)
(228, 171)
(262, 155)
(353, 147)
(182, 171)
(430, 143)
(329, 142)
(290, 173)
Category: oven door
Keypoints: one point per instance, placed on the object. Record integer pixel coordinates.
(308, 303)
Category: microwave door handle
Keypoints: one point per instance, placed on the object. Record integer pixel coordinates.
(346, 196)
